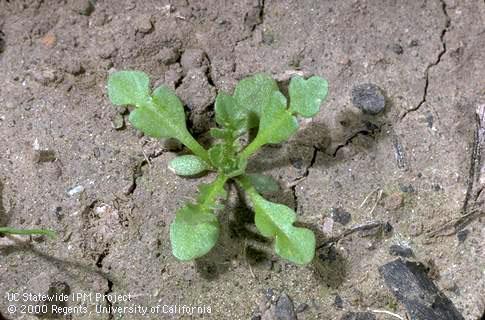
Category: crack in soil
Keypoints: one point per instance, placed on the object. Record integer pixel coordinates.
(305, 174)
(99, 264)
(433, 64)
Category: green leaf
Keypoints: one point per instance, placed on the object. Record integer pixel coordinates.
(188, 165)
(162, 117)
(193, 233)
(277, 125)
(7, 230)
(228, 113)
(263, 183)
(129, 88)
(195, 230)
(306, 96)
(253, 94)
(276, 221)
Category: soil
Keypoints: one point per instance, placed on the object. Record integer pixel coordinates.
(71, 162)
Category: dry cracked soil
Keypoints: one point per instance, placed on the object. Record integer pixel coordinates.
(406, 181)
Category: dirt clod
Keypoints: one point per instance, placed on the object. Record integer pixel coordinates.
(83, 7)
(193, 59)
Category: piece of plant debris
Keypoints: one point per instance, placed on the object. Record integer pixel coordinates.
(256, 103)
(30, 232)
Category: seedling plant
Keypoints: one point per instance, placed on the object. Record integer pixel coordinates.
(257, 104)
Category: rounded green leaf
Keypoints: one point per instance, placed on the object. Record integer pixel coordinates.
(276, 221)
(162, 116)
(188, 165)
(129, 88)
(306, 96)
(253, 94)
(193, 233)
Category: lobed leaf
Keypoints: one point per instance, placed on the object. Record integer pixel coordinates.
(277, 125)
(188, 165)
(275, 220)
(195, 230)
(253, 94)
(306, 96)
(162, 117)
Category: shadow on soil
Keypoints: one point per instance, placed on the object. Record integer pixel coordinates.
(240, 240)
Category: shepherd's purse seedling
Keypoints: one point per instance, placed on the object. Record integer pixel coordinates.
(256, 103)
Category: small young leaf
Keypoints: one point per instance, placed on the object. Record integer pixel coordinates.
(195, 229)
(188, 165)
(129, 88)
(306, 96)
(263, 183)
(253, 94)
(277, 124)
(276, 221)
(228, 113)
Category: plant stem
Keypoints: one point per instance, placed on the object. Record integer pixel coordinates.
(8, 230)
(250, 149)
(195, 147)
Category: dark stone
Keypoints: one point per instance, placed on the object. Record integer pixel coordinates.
(338, 302)
(411, 286)
(358, 316)
(462, 235)
(301, 308)
(284, 309)
(396, 48)
(369, 98)
(387, 228)
(397, 250)
(41, 156)
(256, 317)
(406, 188)
(341, 216)
(436, 187)
(296, 162)
(429, 120)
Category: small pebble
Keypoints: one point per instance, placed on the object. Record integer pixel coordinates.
(358, 316)
(396, 48)
(45, 76)
(397, 250)
(415, 229)
(83, 7)
(284, 309)
(44, 156)
(462, 235)
(341, 216)
(301, 308)
(73, 67)
(369, 98)
(118, 122)
(406, 188)
(338, 302)
(75, 190)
